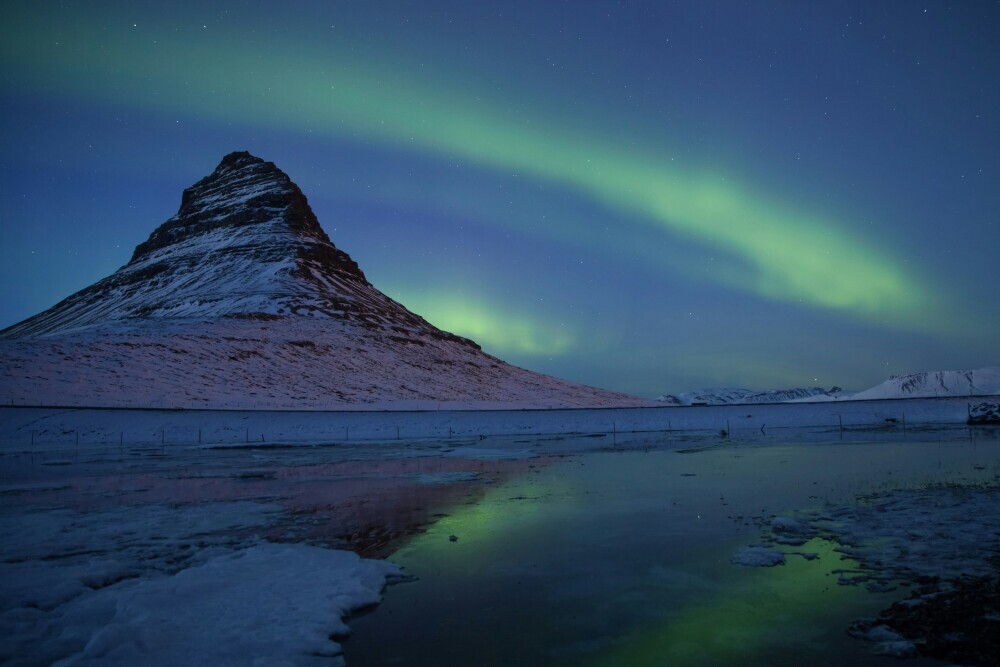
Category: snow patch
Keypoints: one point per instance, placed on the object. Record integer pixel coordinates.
(279, 603)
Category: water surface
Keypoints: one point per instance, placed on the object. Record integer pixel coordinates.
(623, 557)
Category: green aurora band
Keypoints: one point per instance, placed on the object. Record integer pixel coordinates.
(489, 325)
(772, 250)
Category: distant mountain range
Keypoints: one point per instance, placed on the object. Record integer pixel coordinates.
(734, 396)
(981, 382)
(241, 300)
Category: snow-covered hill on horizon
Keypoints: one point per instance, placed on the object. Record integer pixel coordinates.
(737, 396)
(929, 384)
(242, 301)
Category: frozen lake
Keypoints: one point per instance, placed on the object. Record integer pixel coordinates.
(599, 549)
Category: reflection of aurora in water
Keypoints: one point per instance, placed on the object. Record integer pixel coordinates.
(750, 619)
(614, 559)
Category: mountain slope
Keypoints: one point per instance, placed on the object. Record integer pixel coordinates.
(978, 382)
(241, 300)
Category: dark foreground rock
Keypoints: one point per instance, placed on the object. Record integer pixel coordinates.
(984, 413)
(958, 622)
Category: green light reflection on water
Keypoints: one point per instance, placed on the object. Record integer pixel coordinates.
(754, 615)
(771, 607)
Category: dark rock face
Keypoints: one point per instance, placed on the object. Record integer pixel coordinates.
(243, 190)
(244, 242)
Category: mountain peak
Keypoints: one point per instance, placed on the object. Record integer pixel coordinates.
(238, 159)
(244, 242)
(244, 190)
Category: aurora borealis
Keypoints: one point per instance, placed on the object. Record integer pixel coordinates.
(645, 196)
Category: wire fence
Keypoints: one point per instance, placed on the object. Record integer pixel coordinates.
(108, 428)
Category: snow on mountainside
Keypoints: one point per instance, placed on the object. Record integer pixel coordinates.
(244, 241)
(241, 300)
(983, 381)
(929, 384)
(732, 396)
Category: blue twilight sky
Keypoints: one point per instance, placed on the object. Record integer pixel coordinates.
(645, 196)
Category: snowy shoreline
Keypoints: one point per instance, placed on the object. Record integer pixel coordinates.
(186, 555)
(937, 544)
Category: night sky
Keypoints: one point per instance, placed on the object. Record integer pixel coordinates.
(645, 196)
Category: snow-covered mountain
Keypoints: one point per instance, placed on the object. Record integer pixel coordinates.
(983, 381)
(241, 300)
(929, 384)
(244, 242)
(734, 396)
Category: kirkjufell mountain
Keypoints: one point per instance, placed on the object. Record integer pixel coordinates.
(242, 300)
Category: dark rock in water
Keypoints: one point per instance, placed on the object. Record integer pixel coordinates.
(984, 413)
(453, 538)
(959, 623)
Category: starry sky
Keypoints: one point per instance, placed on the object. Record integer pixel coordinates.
(646, 196)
